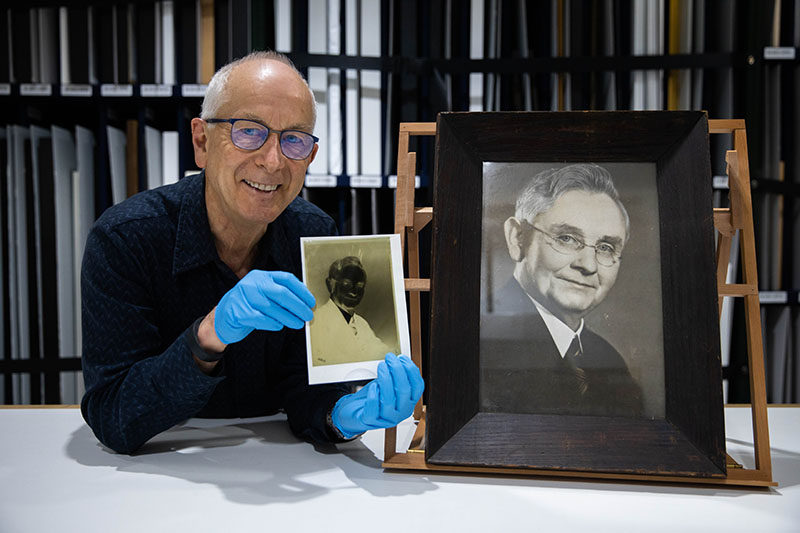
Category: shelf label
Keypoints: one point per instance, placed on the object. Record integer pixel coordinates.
(393, 182)
(76, 89)
(773, 297)
(35, 89)
(366, 182)
(196, 89)
(320, 180)
(720, 182)
(150, 90)
(779, 52)
(5, 89)
(111, 89)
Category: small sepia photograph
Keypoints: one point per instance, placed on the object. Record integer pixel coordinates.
(571, 289)
(360, 312)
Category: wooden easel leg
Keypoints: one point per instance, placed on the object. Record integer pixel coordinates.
(415, 324)
(405, 225)
(755, 361)
(390, 443)
(755, 351)
(404, 200)
(723, 257)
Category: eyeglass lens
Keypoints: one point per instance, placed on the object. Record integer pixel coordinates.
(567, 244)
(249, 135)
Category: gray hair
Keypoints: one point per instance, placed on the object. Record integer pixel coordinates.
(338, 266)
(216, 95)
(549, 185)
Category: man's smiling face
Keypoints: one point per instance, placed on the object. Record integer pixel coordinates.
(348, 288)
(251, 188)
(571, 285)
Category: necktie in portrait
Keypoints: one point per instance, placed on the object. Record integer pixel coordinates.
(573, 359)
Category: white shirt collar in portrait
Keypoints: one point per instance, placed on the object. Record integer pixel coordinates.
(562, 334)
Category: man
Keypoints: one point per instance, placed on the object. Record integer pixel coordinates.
(191, 304)
(338, 333)
(566, 239)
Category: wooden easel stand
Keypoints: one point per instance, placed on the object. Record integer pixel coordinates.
(410, 220)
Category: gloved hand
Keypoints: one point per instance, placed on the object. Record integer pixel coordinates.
(384, 402)
(262, 300)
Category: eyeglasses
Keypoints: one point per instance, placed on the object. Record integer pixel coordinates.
(251, 135)
(566, 243)
(348, 285)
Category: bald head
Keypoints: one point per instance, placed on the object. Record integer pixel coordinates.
(245, 77)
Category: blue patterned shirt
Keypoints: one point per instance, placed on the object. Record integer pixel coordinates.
(150, 269)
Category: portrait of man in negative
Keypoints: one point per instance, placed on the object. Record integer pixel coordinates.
(565, 239)
(338, 332)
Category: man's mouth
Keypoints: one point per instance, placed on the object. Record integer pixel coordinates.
(576, 282)
(261, 186)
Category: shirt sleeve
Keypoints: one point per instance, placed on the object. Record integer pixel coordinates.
(135, 388)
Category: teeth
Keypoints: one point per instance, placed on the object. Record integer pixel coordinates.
(261, 186)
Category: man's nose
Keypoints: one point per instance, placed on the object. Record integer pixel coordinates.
(269, 155)
(585, 261)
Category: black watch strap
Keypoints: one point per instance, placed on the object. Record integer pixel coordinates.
(194, 344)
(332, 427)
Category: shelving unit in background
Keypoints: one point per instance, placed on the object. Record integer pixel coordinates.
(374, 64)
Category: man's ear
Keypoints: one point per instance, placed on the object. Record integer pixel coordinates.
(330, 283)
(200, 142)
(514, 239)
(310, 158)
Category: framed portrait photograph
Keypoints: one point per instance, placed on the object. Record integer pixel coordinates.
(360, 312)
(590, 262)
(574, 297)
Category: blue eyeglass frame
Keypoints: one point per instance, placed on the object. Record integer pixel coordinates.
(280, 133)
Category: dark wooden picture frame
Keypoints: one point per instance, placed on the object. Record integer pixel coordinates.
(689, 440)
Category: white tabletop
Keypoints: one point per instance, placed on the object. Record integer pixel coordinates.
(253, 475)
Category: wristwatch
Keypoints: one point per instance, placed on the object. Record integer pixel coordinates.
(332, 426)
(196, 349)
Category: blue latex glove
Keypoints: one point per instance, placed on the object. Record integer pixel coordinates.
(262, 300)
(384, 402)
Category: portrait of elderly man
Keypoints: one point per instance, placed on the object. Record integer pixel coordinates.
(338, 333)
(566, 239)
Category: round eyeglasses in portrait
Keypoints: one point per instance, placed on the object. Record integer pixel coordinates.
(606, 253)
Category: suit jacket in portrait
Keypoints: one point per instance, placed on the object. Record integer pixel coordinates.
(523, 371)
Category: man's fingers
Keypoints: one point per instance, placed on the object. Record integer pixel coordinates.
(297, 287)
(386, 390)
(271, 317)
(280, 296)
(414, 378)
(372, 408)
(279, 302)
(402, 386)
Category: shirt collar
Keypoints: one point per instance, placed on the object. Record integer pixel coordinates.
(275, 250)
(194, 242)
(348, 316)
(562, 334)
